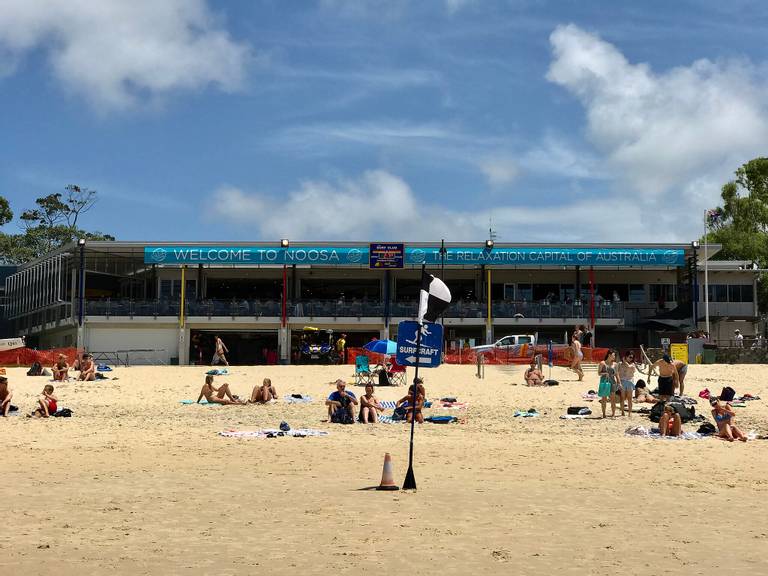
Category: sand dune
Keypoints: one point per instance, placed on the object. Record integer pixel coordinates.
(137, 483)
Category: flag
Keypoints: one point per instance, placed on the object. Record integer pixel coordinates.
(433, 299)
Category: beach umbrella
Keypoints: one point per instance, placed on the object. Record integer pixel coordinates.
(382, 346)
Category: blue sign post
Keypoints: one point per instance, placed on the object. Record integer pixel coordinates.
(428, 352)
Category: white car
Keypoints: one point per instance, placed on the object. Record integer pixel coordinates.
(506, 343)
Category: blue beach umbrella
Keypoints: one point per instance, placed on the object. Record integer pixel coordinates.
(382, 346)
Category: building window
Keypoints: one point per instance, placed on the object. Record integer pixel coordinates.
(718, 293)
(524, 292)
(171, 289)
(663, 292)
(740, 293)
(637, 293)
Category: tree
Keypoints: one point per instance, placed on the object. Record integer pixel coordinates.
(51, 224)
(740, 225)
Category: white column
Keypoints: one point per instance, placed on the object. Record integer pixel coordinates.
(284, 344)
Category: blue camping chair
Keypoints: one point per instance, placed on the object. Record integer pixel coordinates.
(363, 374)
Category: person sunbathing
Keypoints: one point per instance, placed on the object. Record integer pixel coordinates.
(724, 417)
(406, 402)
(87, 369)
(670, 423)
(47, 403)
(264, 393)
(533, 376)
(220, 395)
(369, 406)
(5, 396)
(60, 369)
(642, 394)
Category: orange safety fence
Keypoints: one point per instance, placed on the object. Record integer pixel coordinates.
(28, 356)
(522, 354)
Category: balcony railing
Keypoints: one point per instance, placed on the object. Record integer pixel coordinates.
(340, 309)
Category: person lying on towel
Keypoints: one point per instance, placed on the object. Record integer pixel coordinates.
(341, 404)
(220, 395)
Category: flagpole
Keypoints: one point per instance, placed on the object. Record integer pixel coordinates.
(410, 479)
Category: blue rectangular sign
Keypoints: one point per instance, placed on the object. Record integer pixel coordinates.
(431, 347)
(414, 256)
(386, 256)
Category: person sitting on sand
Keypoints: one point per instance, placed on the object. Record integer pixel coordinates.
(642, 394)
(668, 377)
(60, 369)
(533, 376)
(5, 396)
(47, 403)
(341, 404)
(87, 369)
(406, 402)
(264, 393)
(670, 423)
(724, 418)
(220, 395)
(369, 406)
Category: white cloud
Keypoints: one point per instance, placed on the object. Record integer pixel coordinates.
(113, 52)
(380, 205)
(500, 170)
(660, 132)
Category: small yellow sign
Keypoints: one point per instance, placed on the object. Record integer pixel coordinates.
(679, 352)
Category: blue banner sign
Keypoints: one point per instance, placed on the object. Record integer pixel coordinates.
(454, 256)
(386, 255)
(430, 349)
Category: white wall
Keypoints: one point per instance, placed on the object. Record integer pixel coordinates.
(110, 339)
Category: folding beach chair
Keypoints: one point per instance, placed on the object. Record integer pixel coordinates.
(397, 374)
(363, 374)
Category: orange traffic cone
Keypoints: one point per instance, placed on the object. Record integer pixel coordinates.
(387, 479)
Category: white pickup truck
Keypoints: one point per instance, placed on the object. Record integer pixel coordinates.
(506, 343)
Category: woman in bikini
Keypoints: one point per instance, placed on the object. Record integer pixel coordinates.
(724, 417)
(264, 393)
(369, 406)
(627, 380)
(670, 423)
(642, 394)
(533, 376)
(405, 402)
(609, 382)
(578, 356)
(220, 395)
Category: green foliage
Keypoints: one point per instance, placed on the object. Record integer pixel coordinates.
(741, 223)
(51, 224)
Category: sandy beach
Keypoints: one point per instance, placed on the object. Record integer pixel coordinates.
(138, 483)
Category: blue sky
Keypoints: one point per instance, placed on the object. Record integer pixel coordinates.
(373, 120)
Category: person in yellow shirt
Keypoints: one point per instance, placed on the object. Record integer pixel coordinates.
(341, 348)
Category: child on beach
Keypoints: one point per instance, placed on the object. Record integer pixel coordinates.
(609, 382)
(47, 402)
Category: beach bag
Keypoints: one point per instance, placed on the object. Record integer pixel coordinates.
(727, 394)
(383, 378)
(579, 410)
(341, 415)
(63, 413)
(707, 428)
(551, 383)
(35, 370)
(399, 413)
(687, 413)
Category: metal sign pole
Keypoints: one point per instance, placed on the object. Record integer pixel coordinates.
(410, 479)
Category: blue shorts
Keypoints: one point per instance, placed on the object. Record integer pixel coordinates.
(628, 385)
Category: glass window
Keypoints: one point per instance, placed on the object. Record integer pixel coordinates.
(747, 293)
(567, 292)
(663, 292)
(524, 340)
(524, 292)
(637, 293)
(509, 291)
(734, 293)
(718, 293)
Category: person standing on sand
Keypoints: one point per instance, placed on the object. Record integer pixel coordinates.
(578, 356)
(219, 352)
(341, 348)
(668, 377)
(609, 382)
(627, 380)
(682, 370)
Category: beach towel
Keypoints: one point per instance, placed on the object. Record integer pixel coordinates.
(573, 417)
(441, 419)
(297, 399)
(653, 434)
(590, 396)
(202, 402)
(103, 368)
(448, 405)
(217, 372)
(272, 433)
(389, 419)
(388, 404)
(528, 414)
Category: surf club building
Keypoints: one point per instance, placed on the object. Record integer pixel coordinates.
(164, 302)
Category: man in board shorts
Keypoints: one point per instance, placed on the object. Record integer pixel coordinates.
(219, 353)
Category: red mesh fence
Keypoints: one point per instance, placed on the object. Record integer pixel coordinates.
(27, 356)
(522, 354)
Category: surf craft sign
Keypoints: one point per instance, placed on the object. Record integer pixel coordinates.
(414, 256)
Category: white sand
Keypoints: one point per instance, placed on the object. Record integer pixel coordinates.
(136, 483)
